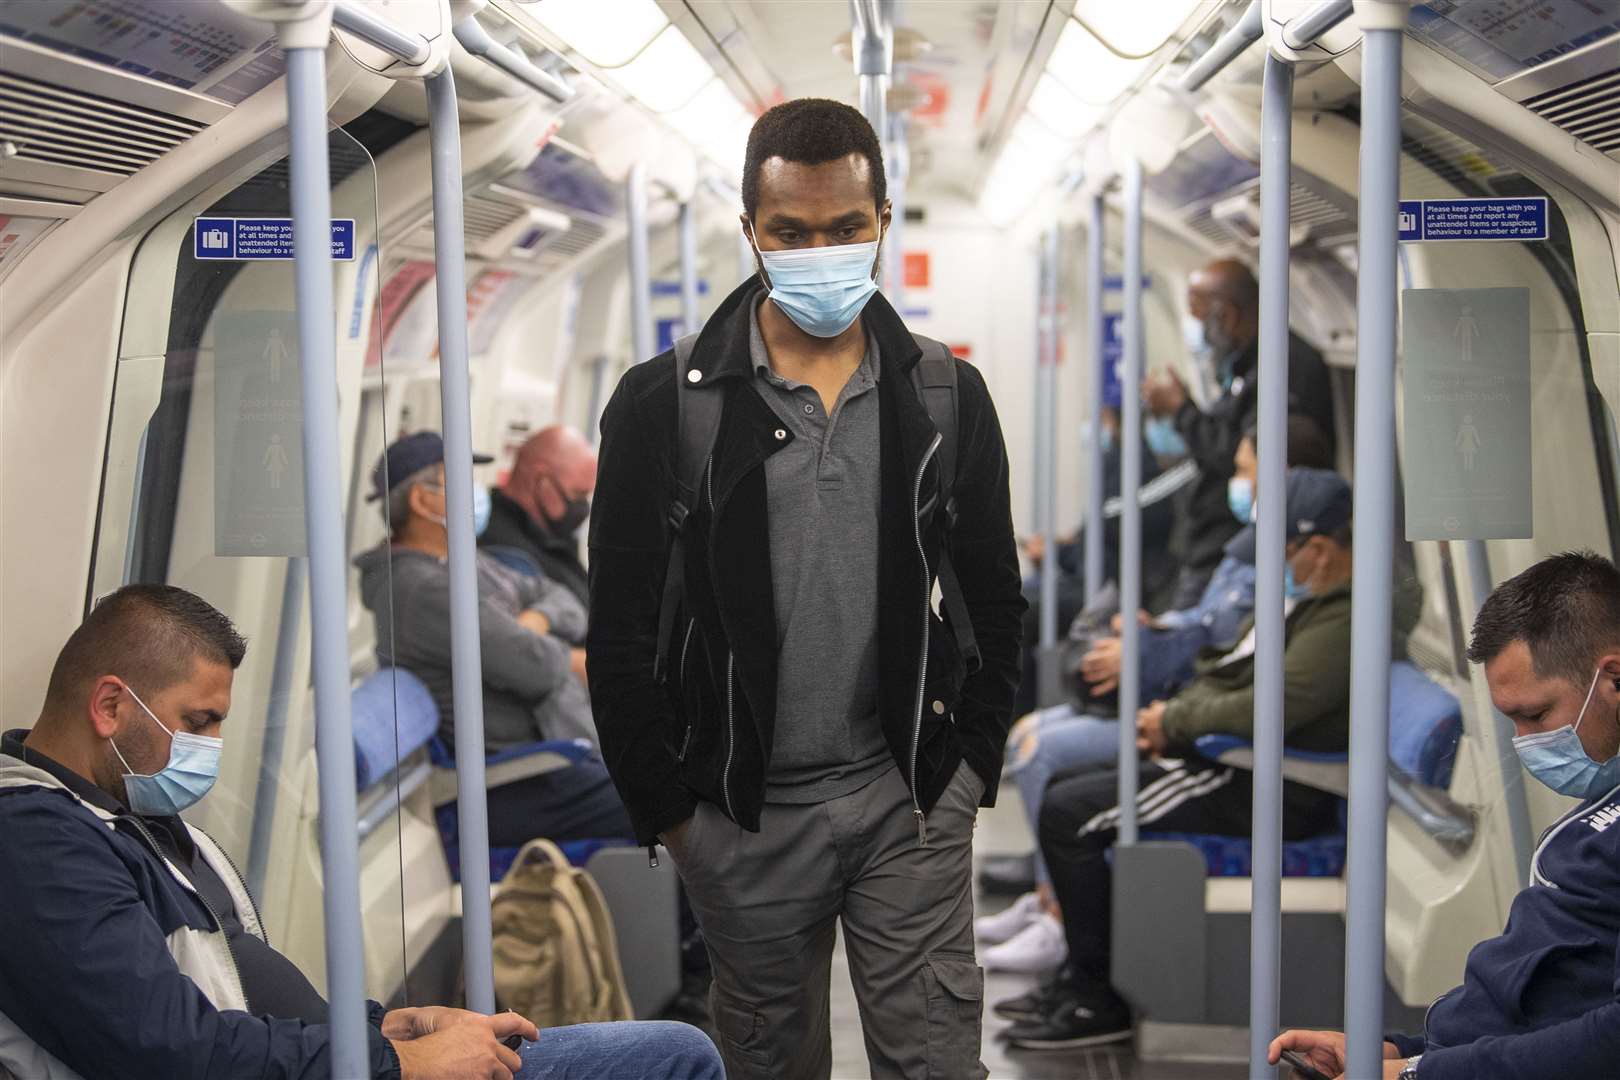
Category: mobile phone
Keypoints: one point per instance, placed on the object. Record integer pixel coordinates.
(1302, 1066)
(512, 1042)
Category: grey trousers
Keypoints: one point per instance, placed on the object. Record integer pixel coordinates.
(767, 902)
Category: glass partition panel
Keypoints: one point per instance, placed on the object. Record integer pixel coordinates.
(1506, 458)
(204, 489)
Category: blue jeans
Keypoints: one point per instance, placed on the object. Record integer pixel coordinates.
(1063, 740)
(644, 1050)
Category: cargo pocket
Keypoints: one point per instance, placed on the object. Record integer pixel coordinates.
(954, 988)
(742, 1038)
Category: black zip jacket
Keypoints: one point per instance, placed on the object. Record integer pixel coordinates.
(705, 731)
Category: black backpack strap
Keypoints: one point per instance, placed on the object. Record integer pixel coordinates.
(697, 423)
(935, 376)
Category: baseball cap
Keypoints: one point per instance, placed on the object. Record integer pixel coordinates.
(1318, 502)
(406, 457)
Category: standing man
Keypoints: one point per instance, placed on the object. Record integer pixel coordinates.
(537, 513)
(819, 744)
(1224, 325)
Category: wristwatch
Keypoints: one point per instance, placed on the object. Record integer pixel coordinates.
(1409, 1072)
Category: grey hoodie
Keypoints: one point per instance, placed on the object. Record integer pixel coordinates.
(529, 692)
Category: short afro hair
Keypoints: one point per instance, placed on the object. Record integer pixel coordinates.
(811, 131)
(1566, 609)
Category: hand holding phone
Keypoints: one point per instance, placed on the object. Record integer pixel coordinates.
(1302, 1066)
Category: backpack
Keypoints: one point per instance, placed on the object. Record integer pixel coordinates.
(556, 955)
(697, 425)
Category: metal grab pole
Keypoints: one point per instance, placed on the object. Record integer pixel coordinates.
(897, 161)
(328, 570)
(1371, 564)
(1306, 28)
(466, 661)
(687, 235)
(1130, 514)
(641, 326)
(872, 42)
(1243, 33)
(1047, 685)
(1265, 923)
(1518, 809)
(1096, 483)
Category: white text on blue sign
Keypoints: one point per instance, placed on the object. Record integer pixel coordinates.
(1473, 219)
(250, 239)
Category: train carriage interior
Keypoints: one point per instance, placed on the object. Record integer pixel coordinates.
(155, 395)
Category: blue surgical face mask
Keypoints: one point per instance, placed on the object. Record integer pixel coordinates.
(1240, 498)
(1105, 440)
(481, 509)
(822, 289)
(1192, 334)
(1163, 438)
(192, 768)
(1292, 589)
(1558, 759)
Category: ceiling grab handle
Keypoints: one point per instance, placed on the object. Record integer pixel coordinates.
(353, 18)
(1382, 24)
(476, 40)
(467, 688)
(1245, 32)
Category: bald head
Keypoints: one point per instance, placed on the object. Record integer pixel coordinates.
(553, 477)
(1225, 296)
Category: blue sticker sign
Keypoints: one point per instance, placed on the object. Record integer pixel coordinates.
(1473, 219)
(1113, 355)
(252, 239)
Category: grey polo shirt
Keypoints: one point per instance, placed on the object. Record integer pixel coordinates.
(823, 491)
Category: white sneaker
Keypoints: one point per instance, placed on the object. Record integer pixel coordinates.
(1037, 948)
(994, 929)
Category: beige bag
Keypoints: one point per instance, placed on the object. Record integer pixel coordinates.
(556, 956)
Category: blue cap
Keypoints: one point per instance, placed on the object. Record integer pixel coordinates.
(406, 457)
(1318, 502)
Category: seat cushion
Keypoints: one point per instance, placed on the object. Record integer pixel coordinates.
(1425, 723)
(1232, 856)
(393, 715)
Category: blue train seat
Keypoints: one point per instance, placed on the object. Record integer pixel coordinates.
(394, 715)
(1425, 725)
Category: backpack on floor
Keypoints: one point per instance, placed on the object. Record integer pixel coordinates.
(556, 955)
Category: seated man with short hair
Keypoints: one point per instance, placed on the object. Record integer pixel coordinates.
(537, 513)
(1183, 792)
(1542, 1000)
(530, 631)
(133, 950)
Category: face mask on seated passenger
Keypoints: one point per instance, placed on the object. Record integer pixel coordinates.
(821, 289)
(1558, 759)
(192, 768)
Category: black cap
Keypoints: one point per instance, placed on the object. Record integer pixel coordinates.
(406, 457)
(1318, 502)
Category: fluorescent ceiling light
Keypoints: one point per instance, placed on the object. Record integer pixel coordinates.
(1028, 163)
(1139, 28)
(1084, 65)
(1058, 109)
(667, 74)
(715, 108)
(606, 34)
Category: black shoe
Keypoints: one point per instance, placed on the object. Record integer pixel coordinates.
(1037, 1004)
(1076, 1022)
(1008, 875)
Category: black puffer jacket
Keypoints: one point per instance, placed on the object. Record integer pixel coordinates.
(705, 733)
